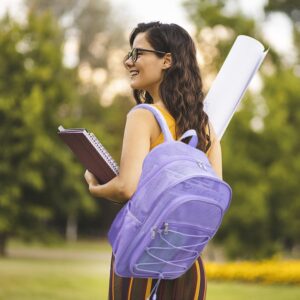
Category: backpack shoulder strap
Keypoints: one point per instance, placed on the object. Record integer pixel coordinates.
(160, 119)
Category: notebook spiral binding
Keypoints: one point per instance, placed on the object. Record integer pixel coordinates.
(111, 162)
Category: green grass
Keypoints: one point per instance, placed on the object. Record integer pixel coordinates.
(42, 279)
(77, 271)
(80, 272)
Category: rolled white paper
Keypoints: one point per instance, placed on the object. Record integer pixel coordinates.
(230, 84)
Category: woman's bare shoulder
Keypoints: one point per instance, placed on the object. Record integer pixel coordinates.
(142, 115)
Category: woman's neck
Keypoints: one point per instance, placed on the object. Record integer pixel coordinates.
(155, 95)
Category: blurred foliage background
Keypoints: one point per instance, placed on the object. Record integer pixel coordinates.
(43, 195)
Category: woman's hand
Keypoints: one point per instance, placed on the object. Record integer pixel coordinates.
(94, 186)
(90, 178)
(112, 190)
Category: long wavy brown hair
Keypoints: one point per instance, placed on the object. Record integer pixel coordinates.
(181, 87)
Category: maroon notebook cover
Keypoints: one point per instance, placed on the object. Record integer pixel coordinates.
(90, 153)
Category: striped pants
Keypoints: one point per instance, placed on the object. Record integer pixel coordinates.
(190, 286)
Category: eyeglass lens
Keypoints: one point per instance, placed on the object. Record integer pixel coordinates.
(132, 54)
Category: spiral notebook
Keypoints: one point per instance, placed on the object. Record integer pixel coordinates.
(90, 152)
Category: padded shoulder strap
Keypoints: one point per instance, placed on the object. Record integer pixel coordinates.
(160, 119)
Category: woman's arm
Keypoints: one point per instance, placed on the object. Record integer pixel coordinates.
(214, 153)
(136, 145)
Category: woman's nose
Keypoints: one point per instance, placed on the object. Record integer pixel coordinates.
(128, 62)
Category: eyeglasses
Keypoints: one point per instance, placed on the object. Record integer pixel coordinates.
(134, 53)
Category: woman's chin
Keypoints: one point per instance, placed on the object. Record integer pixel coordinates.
(135, 85)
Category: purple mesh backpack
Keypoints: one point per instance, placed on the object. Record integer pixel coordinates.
(177, 208)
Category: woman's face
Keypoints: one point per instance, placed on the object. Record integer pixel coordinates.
(146, 73)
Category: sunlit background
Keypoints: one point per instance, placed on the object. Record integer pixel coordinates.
(61, 63)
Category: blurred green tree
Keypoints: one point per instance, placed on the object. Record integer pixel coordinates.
(285, 87)
(37, 92)
(96, 32)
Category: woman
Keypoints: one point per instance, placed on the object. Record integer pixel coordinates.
(163, 72)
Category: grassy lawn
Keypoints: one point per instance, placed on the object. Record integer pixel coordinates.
(80, 272)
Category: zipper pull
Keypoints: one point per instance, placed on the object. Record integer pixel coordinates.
(166, 228)
(153, 233)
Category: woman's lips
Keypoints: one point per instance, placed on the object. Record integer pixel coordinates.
(134, 73)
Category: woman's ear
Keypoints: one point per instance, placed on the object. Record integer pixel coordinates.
(167, 61)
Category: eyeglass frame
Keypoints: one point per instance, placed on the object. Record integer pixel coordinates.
(130, 53)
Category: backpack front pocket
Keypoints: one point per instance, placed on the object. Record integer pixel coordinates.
(172, 250)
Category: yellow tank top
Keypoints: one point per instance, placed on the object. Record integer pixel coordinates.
(171, 124)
